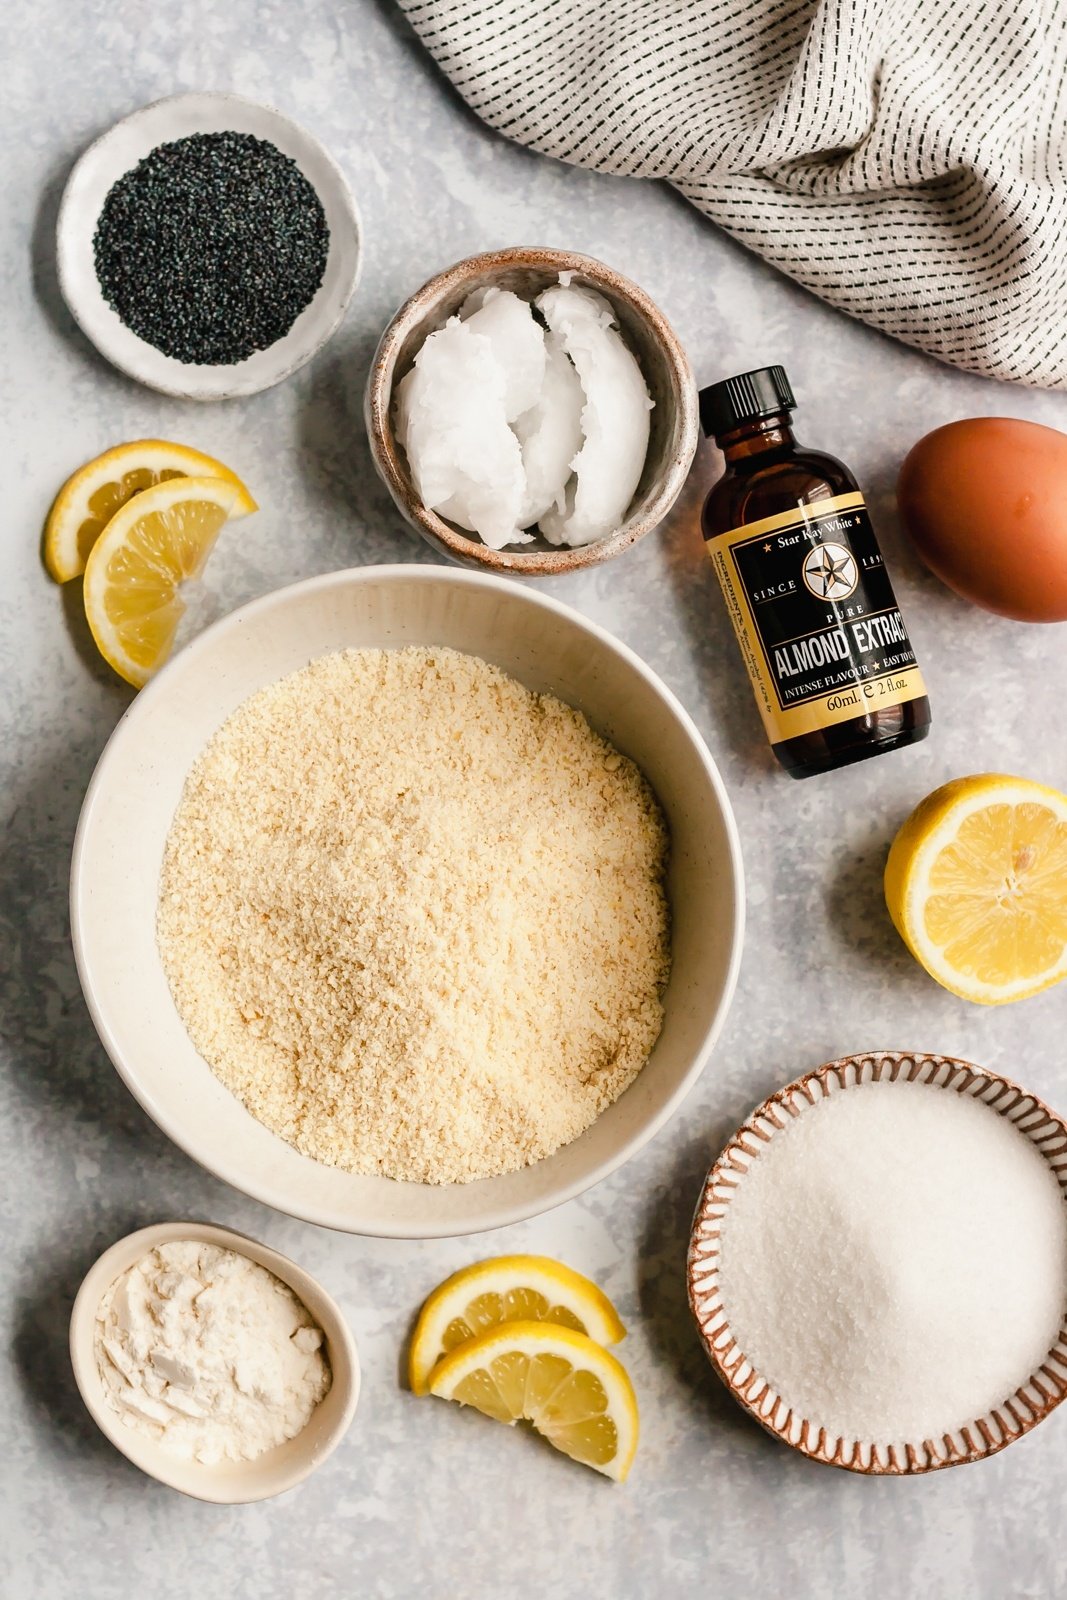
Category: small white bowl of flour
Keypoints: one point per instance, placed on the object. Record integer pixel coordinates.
(213, 1363)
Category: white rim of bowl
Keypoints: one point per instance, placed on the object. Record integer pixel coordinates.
(117, 1259)
(141, 706)
(1037, 1395)
(72, 299)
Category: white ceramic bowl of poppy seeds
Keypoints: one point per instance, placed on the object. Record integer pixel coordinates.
(208, 246)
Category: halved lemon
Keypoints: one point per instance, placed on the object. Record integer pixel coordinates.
(91, 496)
(507, 1289)
(976, 883)
(160, 538)
(572, 1390)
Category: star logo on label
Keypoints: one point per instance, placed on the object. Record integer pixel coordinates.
(830, 572)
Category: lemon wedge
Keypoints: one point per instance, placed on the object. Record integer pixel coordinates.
(506, 1289)
(92, 495)
(160, 538)
(976, 883)
(573, 1391)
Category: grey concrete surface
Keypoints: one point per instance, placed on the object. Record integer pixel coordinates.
(423, 1500)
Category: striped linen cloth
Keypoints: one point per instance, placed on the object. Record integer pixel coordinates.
(904, 159)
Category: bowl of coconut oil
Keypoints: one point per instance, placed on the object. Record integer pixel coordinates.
(531, 411)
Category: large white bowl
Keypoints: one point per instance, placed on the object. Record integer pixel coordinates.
(136, 788)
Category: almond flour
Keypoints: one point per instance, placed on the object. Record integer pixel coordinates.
(413, 915)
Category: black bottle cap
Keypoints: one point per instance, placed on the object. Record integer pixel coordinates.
(746, 398)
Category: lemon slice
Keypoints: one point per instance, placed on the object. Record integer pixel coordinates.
(573, 1391)
(507, 1289)
(135, 569)
(976, 883)
(92, 495)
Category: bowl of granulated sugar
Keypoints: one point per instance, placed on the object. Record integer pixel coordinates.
(878, 1263)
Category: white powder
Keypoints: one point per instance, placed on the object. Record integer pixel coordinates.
(209, 1353)
(895, 1262)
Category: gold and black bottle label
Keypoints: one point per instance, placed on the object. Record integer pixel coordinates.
(815, 616)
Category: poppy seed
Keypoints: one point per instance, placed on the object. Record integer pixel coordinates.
(210, 248)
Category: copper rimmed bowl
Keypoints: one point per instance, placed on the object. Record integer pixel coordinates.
(1021, 1411)
(526, 270)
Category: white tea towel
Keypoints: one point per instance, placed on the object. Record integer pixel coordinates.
(905, 159)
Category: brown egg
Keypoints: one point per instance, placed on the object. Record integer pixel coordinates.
(985, 501)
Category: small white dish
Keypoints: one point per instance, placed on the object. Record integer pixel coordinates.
(136, 788)
(120, 149)
(230, 1482)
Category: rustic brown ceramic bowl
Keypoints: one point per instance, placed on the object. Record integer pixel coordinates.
(1032, 1401)
(527, 270)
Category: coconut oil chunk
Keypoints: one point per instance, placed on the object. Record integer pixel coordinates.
(614, 421)
(517, 416)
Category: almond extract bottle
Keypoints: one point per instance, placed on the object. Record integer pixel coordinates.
(829, 657)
